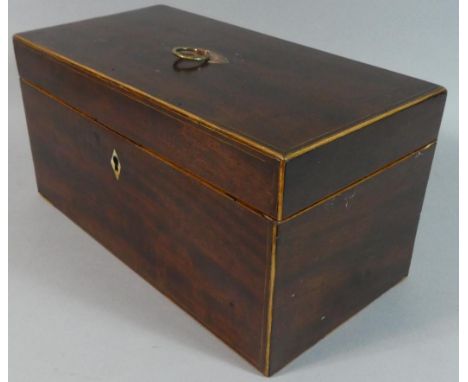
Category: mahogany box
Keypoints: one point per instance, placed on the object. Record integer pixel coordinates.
(269, 189)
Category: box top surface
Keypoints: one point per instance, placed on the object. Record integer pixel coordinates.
(275, 95)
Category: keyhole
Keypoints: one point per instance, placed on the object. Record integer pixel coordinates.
(115, 163)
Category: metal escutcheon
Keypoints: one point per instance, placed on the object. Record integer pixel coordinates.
(115, 163)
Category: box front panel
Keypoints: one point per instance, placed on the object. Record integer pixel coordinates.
(338, 256)
(200, 248)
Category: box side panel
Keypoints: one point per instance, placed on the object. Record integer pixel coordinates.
(340, 255)
(240, 171)
(203, 250)
(331, 167)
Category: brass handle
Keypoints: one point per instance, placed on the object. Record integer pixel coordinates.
(191, 54)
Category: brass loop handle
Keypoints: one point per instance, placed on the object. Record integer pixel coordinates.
(191, 54)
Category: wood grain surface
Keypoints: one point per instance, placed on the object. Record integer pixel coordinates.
(204, 153)
(274, 93)
(338, 256)
(333, 166)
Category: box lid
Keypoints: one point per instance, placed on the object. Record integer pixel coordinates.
(281, 98)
